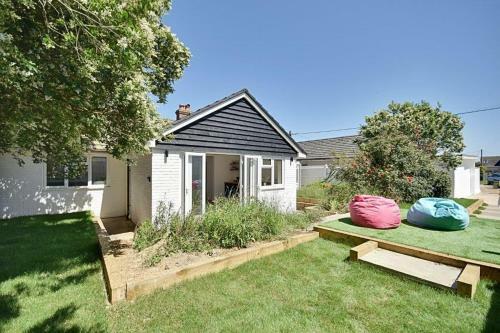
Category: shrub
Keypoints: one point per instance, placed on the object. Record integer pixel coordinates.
(147, 235)
(339, 196)
(406, 151)
(230, 224)
(227, 223)
(185, 235)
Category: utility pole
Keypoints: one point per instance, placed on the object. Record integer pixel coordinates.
(481, 159)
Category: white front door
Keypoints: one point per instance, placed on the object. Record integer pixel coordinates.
(250, 177)
(194, 183)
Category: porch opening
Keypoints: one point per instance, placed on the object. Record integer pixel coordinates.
(222, 176)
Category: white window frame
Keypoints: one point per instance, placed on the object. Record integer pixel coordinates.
(89, 176)
(273, 186)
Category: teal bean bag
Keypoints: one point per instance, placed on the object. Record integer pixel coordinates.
(438, 213)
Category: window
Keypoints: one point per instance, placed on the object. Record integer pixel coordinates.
(56, 175)
(271, 172)
(82, 179)
(98, 170)
(278, 172)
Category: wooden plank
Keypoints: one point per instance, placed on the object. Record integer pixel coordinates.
(245, 113)
(232, 116)
(472, 208)
(358, 251)
(210, 122)
(230, 141)
(309, 200)
(488, 270)
(436, 274)
(246, 147)
(217, 118)
(468, 280)
(232, 135)
(215, 127)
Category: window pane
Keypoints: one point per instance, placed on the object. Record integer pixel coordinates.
(266, 161)
(98, 170)
(196, 184)
(55, 175)
(80, 180)
(266, 176)
(278, 176)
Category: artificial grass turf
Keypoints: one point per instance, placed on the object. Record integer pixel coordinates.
(480, 240)
(310, 288)
(50, 275)
(50, 280)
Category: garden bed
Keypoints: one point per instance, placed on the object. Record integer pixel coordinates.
(127, 277)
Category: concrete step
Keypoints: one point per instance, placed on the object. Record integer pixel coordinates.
(489, 216)
(430, 272)
(492, 208)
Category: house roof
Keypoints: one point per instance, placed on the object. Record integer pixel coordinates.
(491, 160)
(324, 148)
(234, 97)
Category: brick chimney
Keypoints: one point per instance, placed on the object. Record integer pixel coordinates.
(183, 111)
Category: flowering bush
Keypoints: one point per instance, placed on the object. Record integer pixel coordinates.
(406, 152)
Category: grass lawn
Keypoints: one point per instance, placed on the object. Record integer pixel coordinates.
(51, 281)
(310, 288)
(50, 275)
(312, 191)
(481, 240)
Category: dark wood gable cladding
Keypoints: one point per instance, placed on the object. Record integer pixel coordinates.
(237, 127)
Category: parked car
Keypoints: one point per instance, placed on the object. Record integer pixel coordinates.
(494, 177)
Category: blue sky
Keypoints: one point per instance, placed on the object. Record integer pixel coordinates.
(320, 65)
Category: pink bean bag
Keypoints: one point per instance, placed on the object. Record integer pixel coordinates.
(374, 212)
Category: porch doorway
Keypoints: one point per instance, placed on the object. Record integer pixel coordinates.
(223, 176)
(209, 176)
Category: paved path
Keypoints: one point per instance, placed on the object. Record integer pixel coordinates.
(491, 196)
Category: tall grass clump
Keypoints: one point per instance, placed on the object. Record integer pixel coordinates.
(227, 223)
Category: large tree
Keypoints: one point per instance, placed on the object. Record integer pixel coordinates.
(76, 73)
(406, 151)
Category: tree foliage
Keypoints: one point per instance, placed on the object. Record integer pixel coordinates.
(74, 73)
(406, 152)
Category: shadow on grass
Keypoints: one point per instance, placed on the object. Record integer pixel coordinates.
(57, 323)
(46, 244)
(492, 323)
(491, 252)
(9, 308)
(49, 252)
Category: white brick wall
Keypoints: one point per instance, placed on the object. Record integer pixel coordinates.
(284, 198)
(140, 190)
(166, 179)
(23, 191)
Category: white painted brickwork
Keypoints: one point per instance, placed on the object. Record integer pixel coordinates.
(23, 191)
(140, 190)
(166, 179)
(285, 198)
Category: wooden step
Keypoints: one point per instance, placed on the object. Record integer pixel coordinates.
(440, 275)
